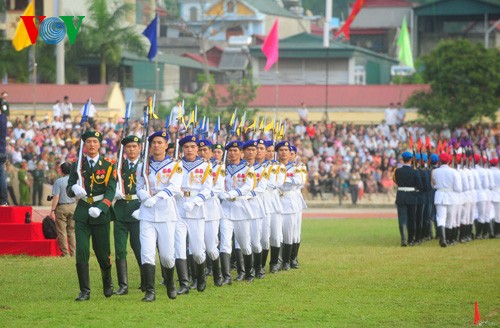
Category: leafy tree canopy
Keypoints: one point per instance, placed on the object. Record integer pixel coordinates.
(465, 83)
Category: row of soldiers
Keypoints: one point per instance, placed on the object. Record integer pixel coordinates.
(457, 194)
(187, 208)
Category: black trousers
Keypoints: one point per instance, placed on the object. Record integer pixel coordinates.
(407, 214)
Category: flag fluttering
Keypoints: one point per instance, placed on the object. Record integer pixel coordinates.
(356, 8)
(270, 46)
(21, 38)
(404, 43)
(151, 32)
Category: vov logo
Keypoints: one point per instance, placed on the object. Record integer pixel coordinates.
(52, 30)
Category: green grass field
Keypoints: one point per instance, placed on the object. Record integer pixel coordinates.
(352, 274)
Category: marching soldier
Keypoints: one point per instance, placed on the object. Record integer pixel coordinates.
(125, 224)
(214, 209)
(171, 149)
(419, 218)
(158, 213)
(495, 196)
(93, 213)
(482, 187)
(197, 183)
(408, 182)
(447, 182)
(239, 181)
(302, 172)
(289, 200)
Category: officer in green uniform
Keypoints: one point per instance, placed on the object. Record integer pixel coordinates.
(93, 212)
(126, 203)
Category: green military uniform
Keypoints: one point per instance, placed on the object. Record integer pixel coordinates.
(125, 224)
(38, 180)
(24, 189)
(100, 185)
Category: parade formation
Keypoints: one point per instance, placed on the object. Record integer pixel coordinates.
(457, 191)
(198, 203)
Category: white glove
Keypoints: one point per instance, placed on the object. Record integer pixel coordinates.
(151, 201)
(188, 206)
(224, 196)
(94, 212)
(119, 195)
(198, 201)
(143, 195)
(162, 195)
(135, 214)
(79, 191)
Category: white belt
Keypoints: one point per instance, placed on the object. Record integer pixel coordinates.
(407, 189)
(445, 189)
(93, 199)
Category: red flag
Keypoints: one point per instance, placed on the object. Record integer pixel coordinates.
(347, 25)
(419, 144)
(270, 46)
(477, 315)
(428, 143)
(411, 141)
(438, 148)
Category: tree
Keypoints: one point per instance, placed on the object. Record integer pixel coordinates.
(106, 34)
(465, 83)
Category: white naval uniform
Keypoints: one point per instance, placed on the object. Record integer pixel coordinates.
(470, 197)
(258, 205)
(482, 192)
(157, 223)
(197, 184)
(302, 171)
(277, 174)
(290, 201)
(214, 210)
(239, 183)
(495, 194)
(447, 182)
(462, 203)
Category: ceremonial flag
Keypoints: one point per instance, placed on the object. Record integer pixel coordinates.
(217, 125)
(261, 125)
(21, 38)
(191, 119)
(252, 126)
(270, 46)
(151, 32)
(269, 126)
(404, 43)
(411, 141)
(477, 315)
(419, 144)
(347, 25)
(428, 143)
(233, 117)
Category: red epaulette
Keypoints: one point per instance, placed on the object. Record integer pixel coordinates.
(112, 161)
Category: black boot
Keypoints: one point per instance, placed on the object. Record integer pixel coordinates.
(478, 227)
(208, 270)
(216, 272)
(168, 276)
(192, 272)
(249, 275)
(149, 282)
(463, 233)
(200, 277)
(273, 262)
(496, 227)
(442, 237)
(107, 282)
(491, 230)
(240, 266)
(449, 237)
(286, 253)
(225, 263)
(182, 273)
(403, 231)
(82, 270)
(294, 263)
(143, 280)
(257, 265)
(265, 253)
(455, 235)
(121, 273)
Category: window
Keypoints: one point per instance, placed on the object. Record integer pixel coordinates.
(359, 75)
(230, 6)
(193, 14)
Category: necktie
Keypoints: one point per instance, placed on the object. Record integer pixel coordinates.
(132, 166)
(91, 163)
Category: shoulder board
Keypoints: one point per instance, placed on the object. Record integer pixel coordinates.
(109, 160)
(74, 160)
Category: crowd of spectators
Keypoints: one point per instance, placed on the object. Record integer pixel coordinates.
(343, 159)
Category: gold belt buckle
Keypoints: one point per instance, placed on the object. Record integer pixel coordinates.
(232, 199)
(187, 194)
(128, 197)
(90, 200)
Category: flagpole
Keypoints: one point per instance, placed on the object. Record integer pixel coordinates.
(34, 79)
(277, 88)
(157, 70)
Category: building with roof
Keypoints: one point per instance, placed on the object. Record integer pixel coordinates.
(475, 20)
(303, 60)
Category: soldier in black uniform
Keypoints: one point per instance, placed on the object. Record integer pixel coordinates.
(422, 198)
(408, 181)
(432, 207)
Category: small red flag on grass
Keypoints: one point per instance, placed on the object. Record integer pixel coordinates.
(477, 315)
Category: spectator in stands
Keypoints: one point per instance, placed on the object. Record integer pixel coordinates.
(66, 108)
(56, 109)
(303, 112)
(24, 183)
(354, 179)
(401, 116)
(391, 115)
(38, 181)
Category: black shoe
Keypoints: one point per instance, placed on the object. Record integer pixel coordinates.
(225, 263)
(273, 262)
(121, 273)
(200, 277)
(149, 282)
(208, 270)
(192, 272)
(265, 253)
(286, 253)
(257, 265)
(442, 236)
(168, 274)
(249, 273)
(107, 282)
(82, 270)
(216, 271)
(182, 274)
(294, 263)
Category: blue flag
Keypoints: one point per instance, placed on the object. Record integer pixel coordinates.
(151, 32)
